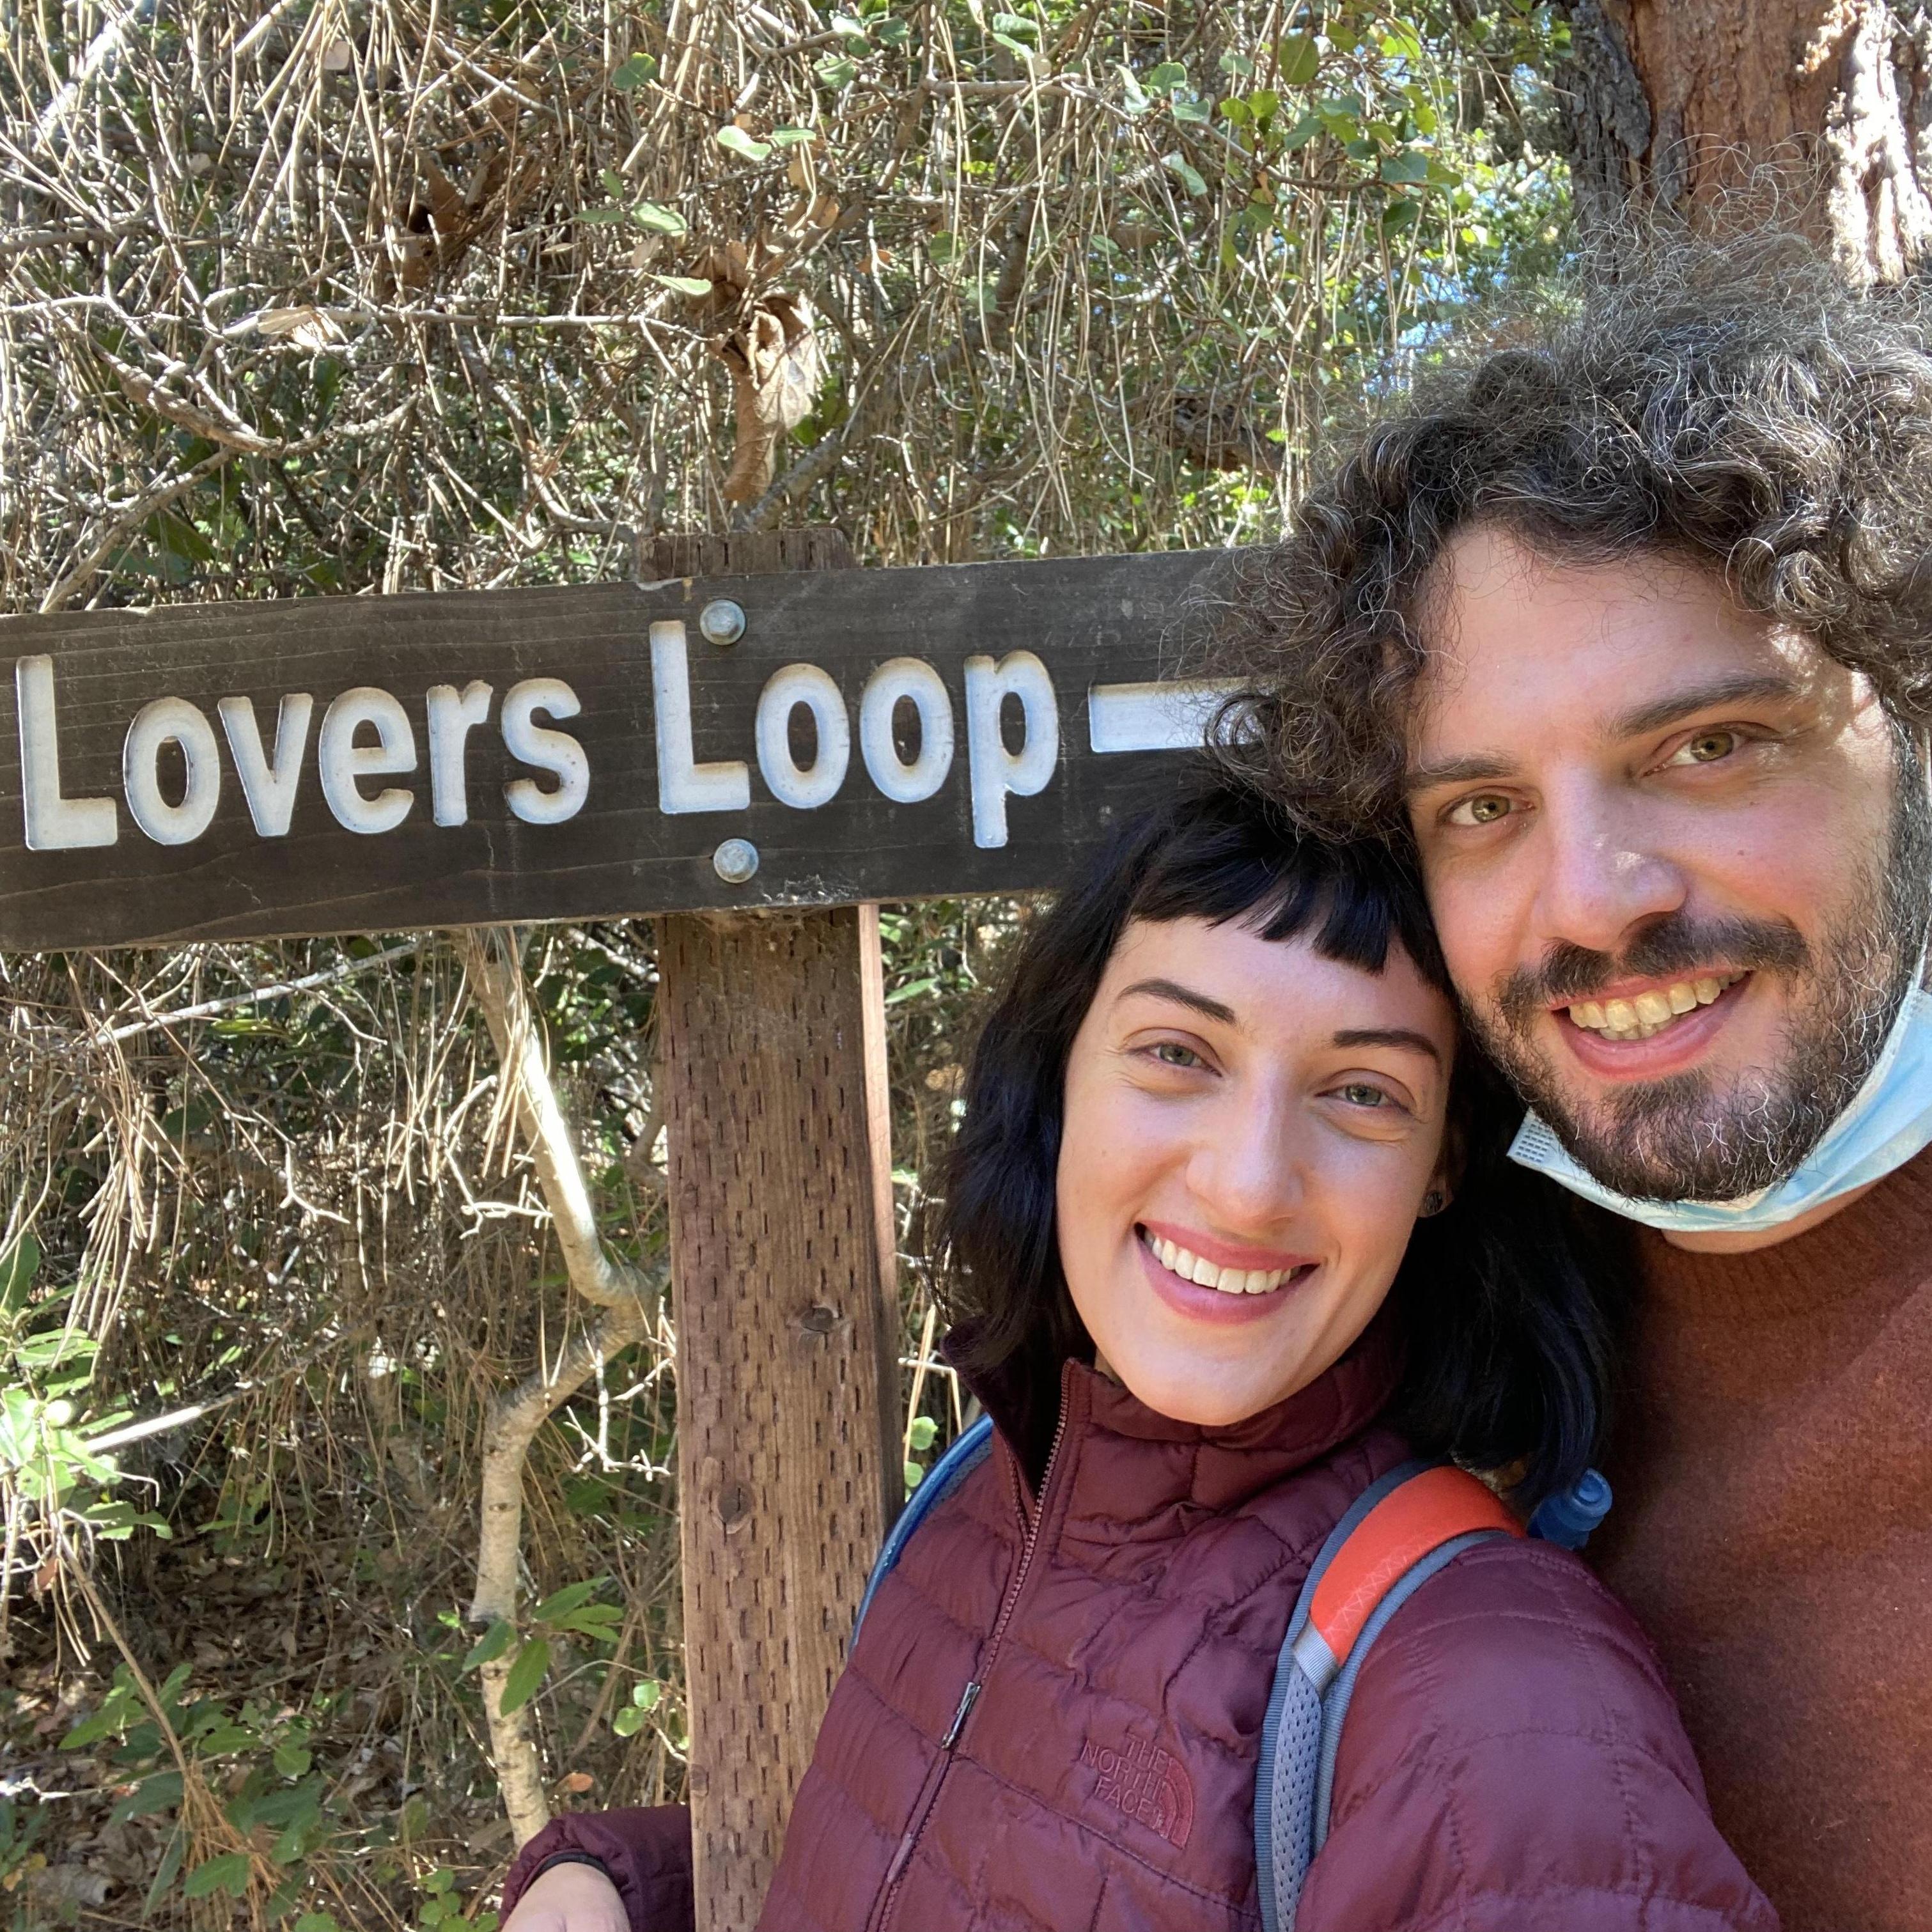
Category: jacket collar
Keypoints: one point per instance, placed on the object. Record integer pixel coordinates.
(1217, 1467)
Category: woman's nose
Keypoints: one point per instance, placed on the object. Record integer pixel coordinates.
(1249, 1174)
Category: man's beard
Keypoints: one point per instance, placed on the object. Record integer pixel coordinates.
(1684, 1137)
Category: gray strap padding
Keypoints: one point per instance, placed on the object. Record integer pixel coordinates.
(1335, 1705)
(1288, 1770)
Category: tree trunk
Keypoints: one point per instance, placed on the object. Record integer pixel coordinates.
(1671, 103)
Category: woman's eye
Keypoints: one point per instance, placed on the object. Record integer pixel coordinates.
(1171, 1053)
(1359, 1094)
(1706, 748)
(1485, 808)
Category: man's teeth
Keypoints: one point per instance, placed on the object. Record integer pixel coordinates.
(1650, 1012)
(1230, 1281)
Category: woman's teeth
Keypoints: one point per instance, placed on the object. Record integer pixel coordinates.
(1650, 1012)
(1229, 1281)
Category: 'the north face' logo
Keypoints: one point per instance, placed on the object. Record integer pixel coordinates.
(1146, 1782)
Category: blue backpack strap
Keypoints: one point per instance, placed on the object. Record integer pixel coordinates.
(966, 1453)
(1424, 1515)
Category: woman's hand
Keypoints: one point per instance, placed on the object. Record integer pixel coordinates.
(570, 1898)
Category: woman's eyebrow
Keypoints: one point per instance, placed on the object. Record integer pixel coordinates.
(1170, 989)
(1389, 1036)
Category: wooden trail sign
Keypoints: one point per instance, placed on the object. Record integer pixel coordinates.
(757, 744)
(818, 737)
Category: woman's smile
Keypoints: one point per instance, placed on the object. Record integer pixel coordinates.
(1211, 1280)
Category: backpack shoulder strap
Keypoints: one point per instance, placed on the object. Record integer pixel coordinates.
(1398, 1533)
(967, 1451)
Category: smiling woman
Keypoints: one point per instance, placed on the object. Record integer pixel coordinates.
(1230, 1239)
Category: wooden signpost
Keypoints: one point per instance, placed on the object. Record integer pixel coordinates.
(758, 744)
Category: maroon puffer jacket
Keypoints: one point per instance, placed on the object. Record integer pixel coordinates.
(1512, 1761)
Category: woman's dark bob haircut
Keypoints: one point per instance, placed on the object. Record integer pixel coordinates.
(1503, 1325)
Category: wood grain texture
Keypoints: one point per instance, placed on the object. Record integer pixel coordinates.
(1103, 619)
(781, 1253)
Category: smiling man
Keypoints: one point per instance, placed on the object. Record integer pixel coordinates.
(1631, 633)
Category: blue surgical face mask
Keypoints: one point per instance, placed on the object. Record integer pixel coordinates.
(1889, 1121)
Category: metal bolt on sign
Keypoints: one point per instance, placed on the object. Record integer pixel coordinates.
(722, 621)
(735, 861)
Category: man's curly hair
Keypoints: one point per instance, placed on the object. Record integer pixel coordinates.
(1734, 405)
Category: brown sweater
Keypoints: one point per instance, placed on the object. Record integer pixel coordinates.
(1773, 1532)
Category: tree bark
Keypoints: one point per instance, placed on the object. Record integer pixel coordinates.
(493, 967)
(1673, 104)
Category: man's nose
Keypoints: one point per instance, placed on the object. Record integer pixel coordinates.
(1603, 875)
(1248, 1171)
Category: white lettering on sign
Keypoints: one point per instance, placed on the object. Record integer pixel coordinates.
(54, 823)
(269, 788)
(784, 692)
(914, 681)
(453, 716)
(343, 762)
(1163, 717)
(683, 784)
(171, 720)
(997, 772)
(556, 752)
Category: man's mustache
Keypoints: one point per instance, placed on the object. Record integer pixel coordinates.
(1675, 946)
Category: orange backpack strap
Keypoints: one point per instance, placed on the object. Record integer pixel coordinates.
(1399, 1532)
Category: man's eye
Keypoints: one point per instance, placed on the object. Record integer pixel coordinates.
(1706, 748)
(1485, 808)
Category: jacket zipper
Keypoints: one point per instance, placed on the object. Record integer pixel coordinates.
(929, 1795)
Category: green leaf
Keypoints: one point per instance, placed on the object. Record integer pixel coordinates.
(889, 32)
(1019, 25)
(1300, 58)
(1303, 131)
(789, 137)
(659, 219)
(614, 184)
(1166, 77)
(923, 1432)
(170, 1864)
(161, 1793)
(227, 1873)
(1191, 111)
(1235, 109)
(1409, 166)
(734, 138)
(601, 218)
(1019, 47)
(685, 285)
(628, 1721)
(18, 1267)
(1137, 101)
(631, 74)
(914, 1476)
(943, 246)
(317, 1921)
(836, 72)
(1185, 174)
(645, 1696)
(525, 1674)
(1234, 61)
(292, 1759)
(560, 1603)
(491, 1644)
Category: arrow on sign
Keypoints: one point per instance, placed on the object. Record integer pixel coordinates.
(1165, 716)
